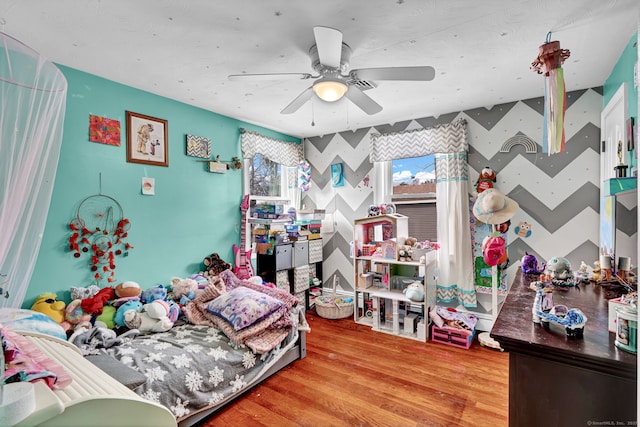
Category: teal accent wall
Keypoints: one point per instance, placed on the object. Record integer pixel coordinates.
(623, 72)
(193, 214)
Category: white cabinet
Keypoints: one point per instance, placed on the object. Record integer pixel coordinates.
(380, 279)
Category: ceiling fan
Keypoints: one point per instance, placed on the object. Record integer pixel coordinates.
(330, 59)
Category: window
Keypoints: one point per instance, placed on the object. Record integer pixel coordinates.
(269, 182)
(265, 177)
(414, 194)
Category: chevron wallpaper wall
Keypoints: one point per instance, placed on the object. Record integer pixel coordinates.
(559, 195)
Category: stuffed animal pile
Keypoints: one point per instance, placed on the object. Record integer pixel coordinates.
(127, 306)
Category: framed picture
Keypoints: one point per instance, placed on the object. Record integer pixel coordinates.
(147, 140)
(198, 146)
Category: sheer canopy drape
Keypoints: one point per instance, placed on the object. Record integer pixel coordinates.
(33, 93)
(449, 144)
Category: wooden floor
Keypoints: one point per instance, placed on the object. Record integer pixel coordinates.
(353, 376)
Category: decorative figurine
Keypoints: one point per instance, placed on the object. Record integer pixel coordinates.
(621, 168)
(543, 310)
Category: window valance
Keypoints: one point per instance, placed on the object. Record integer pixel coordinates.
(444, 138)
(285, 153)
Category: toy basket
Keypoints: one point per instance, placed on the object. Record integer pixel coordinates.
(334, 307)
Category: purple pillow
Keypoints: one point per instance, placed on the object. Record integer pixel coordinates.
(242, 307)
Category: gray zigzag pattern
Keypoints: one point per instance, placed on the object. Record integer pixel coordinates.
(537, 104)
(587, 196)
(428, 122)
(336, 243)
(346, 283)
(353, 177)
(321, 142)
(395, 127)
(587, 251)
(488, 118)
(626, 219)
(355, 137)
(586, 139)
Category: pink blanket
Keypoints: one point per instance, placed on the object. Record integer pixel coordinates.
(261, 337)
(25, 362)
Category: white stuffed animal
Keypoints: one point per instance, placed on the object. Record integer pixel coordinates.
(154, 317)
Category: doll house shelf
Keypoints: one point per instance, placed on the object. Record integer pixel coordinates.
(380, 279)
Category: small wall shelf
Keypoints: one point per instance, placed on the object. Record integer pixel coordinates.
(616, 186)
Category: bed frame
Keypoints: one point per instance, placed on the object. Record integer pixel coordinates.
(96, 399)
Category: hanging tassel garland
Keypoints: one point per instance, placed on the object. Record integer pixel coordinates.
(549, 62)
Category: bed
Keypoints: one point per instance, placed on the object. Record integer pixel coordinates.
(190, 371)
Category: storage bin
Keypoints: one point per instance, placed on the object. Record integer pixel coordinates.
(461, 338)
(284, 257)
(315, 251)
(300, 253)
(302, 299)
(282, 280)
(300, 279)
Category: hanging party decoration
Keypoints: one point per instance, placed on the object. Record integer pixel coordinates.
(549, 62)
(99, 231)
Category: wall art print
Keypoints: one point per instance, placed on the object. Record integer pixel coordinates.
(147, 140)
(198, 146)
(337, 176)
(104, 131)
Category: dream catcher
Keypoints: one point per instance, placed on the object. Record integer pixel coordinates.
(99, 230)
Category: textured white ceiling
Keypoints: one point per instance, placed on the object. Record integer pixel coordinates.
(185, 50)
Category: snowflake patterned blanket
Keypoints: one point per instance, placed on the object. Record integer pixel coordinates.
(193, 367)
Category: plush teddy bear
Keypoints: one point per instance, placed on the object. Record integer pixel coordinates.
(486, 179)
(405, 253)
(158, 292)
(128, 289)
(48, 304)
(107, 316)
(214, 265)
(184, 290)
(413, 242)
(75, 315)
(127, 310)
(415, 291)
(154, 317)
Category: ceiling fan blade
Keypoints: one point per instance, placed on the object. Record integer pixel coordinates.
(395, 73)
(277, 76)
(298, 102)
(363, 101)
(329, 45)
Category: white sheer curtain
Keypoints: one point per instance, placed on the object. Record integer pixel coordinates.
(449, 144)
(33, 93)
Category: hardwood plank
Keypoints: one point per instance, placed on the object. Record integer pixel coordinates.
(353, 376)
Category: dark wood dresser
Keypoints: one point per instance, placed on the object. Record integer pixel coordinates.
(555, 380)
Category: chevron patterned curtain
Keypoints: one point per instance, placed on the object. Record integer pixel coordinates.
(285, 153)
(444, 138)
(449, 144)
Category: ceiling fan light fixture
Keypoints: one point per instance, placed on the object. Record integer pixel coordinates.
(330, 90)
